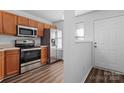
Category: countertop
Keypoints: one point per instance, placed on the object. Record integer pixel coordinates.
(10, 48)
(13, 48)
(43, 46)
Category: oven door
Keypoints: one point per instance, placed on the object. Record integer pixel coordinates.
(27, 31)
(30, 55)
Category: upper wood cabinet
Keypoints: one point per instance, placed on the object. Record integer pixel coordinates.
(47, 26)
(1, 65)
(33, 23)
(11, 62)
(9, 23)
(53, 26)
(23, 21)
(40, 29)
(1, 31)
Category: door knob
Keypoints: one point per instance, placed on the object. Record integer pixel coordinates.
(95, 46)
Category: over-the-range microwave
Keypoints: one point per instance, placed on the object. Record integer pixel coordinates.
(26, 31)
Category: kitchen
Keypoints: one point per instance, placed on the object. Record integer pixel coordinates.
(29, 45)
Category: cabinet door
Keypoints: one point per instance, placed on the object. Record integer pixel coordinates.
(53, 26)
(23, 21)
(11, 62)
(40, 29)
(9, 23)
(1, 65)
(44, 55)
(33, 23)
(47, 26)
(1, 23)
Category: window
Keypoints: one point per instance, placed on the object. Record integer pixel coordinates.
(59, 39)
(80, 31)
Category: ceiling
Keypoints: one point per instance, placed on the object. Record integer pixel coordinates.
(50, 15)
(81, 12)
(54, 15)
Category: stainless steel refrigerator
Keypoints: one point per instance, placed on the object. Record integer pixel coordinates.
(55, 45)
(53, 39)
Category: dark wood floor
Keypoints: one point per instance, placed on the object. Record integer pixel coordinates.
(53, 73)
(102, 76)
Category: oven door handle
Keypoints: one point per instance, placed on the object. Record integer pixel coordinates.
(30, 49)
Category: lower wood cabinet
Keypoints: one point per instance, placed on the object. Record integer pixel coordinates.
(1, 30)
(1, 65)
(11, 62)
(44, 55)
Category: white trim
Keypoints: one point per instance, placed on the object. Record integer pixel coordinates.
(83, 41)
(85, 77)
(113, 71)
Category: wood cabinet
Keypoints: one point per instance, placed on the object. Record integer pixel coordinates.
(11, 62)
(40, 29)
(44, 55)
(47, 26)
(53, 26)
(9, 23)
(23, 21)
(1, 31)
(1, 65)
(33, 23)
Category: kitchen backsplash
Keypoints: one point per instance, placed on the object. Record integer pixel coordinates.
(9, 41)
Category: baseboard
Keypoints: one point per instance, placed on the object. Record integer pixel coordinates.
(110, 70)
(85, 77)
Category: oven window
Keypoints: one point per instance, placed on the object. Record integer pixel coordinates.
(32, 55)
(24, 31)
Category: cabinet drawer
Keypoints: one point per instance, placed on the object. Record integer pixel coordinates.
(12, 51)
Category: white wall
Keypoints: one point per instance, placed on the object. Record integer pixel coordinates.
(60, 24)
(89, 19)
(77, 56)
(9, 41)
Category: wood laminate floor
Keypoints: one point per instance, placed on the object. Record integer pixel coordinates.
(53, 73)
(102, 76)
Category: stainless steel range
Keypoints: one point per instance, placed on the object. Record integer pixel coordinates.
(30, 54)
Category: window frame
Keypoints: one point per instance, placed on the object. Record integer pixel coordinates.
(60, 38)
(76, 28)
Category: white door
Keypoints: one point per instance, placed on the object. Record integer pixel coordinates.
(109, 38)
